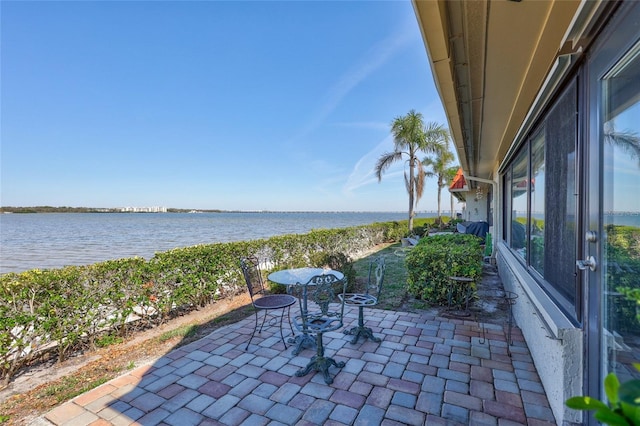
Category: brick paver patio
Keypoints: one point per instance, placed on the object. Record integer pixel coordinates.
(427, 370)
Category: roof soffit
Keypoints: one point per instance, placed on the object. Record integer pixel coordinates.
(499, 53)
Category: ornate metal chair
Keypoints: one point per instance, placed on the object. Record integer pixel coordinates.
(262, 301)
(321, 292)
(368, 298)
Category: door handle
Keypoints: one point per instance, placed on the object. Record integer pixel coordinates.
(587, 263)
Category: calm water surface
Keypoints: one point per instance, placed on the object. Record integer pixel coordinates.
(54, 240)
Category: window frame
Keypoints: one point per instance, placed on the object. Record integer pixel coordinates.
(571, 308)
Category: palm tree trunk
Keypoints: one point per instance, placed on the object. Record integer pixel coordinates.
(411, 192)
(439, 209)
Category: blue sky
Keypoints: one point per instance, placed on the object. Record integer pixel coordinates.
(209, 105)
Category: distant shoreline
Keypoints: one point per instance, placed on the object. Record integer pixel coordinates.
(49, 209)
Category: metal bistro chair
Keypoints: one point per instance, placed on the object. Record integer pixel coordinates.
(368, 298)
(262, 301)
(326, 316)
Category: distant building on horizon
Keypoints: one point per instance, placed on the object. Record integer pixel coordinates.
(154, 209)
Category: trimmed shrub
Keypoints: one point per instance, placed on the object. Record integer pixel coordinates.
(436, 258)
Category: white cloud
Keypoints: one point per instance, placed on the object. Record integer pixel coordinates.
(363, 172)
(374, 125)
(378, 55)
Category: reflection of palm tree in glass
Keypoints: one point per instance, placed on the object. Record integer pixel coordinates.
(627, 141)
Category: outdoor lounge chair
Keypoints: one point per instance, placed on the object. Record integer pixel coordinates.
(409, 241)
(368, 298)
(262, 301)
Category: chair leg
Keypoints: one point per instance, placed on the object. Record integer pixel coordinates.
(289, 319)
(272, 321)
(264, 318)
(361, 330)
(281, 334)
(254, 329)
(320, 363)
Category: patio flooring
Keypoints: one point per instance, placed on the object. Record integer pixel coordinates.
(427, 370)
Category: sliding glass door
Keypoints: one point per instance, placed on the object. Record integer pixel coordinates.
(612, 231)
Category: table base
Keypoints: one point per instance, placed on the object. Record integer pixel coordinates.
(321, 364)
(365, 332)
(302, 341)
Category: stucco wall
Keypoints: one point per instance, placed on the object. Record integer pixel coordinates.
(475, 210)
(555, 344)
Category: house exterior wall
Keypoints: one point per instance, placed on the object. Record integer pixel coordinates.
(554, 343)
(555, 171)
(476, 209)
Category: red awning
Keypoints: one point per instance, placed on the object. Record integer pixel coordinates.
(459, 183)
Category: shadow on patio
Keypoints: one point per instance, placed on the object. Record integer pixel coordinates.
(427, 370)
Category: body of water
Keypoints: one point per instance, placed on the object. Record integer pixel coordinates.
(54, 240)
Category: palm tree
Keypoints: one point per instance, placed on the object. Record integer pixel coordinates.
(410, 136)
(450, 175)
(440, 166)
(627, 141)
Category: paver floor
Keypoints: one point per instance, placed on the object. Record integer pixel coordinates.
(427, 370)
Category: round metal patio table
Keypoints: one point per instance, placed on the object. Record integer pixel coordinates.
(290, 277)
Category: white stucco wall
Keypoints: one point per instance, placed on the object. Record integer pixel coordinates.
(554, 343)
(476, 209)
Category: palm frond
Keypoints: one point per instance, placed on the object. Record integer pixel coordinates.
(419, 181)
(407, 185)
(627, 141)
(436, 138)
(385, 161)
(450, 174)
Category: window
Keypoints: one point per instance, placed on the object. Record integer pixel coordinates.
(541, 183)
(621, 178)
(506, 203)
(536, 229)
(560, 195)
(519, 195)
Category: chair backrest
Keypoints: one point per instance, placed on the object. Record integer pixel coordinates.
(377, 268)
(328, 308)
(252, 275)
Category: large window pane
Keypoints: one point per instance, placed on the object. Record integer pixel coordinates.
(560, 195)
(542, 202)
(519, 194)
(537, 203)
(506, 218)
(621, 285)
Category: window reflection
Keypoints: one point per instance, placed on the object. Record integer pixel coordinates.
(519, 191)
(537, 203)
(621, 282)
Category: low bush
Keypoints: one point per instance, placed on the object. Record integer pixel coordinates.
(436, 258)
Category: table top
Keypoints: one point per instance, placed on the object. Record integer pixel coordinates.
(300, 275)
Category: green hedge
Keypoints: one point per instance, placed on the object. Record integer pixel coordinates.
(436, 258)
(60, 311)
(623, 260)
